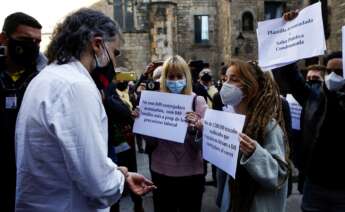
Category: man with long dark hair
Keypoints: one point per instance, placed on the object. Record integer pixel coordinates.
(61, 132)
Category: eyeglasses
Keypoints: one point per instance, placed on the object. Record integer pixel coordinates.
(335, 70)
(117, 52)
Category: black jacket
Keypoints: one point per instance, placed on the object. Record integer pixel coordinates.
(323, 141)
(200, 90)
(11, 91)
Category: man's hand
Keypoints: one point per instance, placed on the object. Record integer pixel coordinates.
(289, 16)
(139, 184)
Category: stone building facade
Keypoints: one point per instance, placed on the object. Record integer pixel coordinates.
(336, 19)
(208, 30)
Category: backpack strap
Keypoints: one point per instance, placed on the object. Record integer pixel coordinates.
(194, 103)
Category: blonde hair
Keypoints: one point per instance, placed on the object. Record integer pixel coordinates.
(176, 63)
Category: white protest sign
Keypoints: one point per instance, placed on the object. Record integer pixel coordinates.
(343, 30)
(221, 139)
(269, 68)
(295, 111)
(162, 115)
(282, 42)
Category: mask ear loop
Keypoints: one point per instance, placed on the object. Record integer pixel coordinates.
(106, 50)
(108, 55)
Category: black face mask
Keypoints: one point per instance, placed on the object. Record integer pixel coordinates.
(122, 85)
(314, 82)
(206, 78)
(23, 53)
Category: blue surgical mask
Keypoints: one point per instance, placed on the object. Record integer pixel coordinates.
(176, 86)
(231, 94)
(334, 82)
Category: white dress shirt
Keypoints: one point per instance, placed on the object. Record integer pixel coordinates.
(61, 145)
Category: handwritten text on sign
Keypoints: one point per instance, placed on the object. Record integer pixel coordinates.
(220, 139)
(162, 115)
(282, 42)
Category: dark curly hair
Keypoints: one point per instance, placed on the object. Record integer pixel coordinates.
(71, 37)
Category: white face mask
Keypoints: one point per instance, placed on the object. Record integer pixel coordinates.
(334, 82)
(231, 94)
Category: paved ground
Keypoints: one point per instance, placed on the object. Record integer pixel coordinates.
(208, 198)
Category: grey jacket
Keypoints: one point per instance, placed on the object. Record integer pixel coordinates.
(267, 165)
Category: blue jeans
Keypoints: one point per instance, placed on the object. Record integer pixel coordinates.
(320, 199)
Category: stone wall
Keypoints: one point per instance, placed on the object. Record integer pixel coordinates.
(248, 50)
(187, 48)
(162, 28)
(336, 21)
(173, 33)
(135, 49)
(223, 31)
(103, 6)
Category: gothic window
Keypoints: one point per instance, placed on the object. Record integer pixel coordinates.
(247, 22)
(124, 14)
(274, 9)
(201, 29)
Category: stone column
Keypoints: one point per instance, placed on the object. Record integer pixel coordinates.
(163, 29)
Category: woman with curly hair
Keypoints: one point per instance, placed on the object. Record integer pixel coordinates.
(261, 178)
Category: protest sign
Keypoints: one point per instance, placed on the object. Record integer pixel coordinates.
(295, 111)
(162, 115)
(283, 42)
(343, 30)
(221, 139)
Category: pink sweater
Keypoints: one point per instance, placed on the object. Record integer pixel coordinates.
(177, 160)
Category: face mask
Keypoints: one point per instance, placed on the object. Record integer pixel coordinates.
(108, 69)
(176, 86)
(231, 94)
(122, 86)
(206, 78)
(334, 82)
(23, 53)
(314, 82)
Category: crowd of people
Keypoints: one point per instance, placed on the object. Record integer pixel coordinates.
(66, 121)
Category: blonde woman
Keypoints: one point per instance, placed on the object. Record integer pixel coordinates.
(177, 169)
